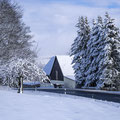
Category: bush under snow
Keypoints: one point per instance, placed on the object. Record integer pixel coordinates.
(28, 71)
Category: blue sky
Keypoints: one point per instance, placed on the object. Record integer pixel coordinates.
(90, 3)
(52, 22)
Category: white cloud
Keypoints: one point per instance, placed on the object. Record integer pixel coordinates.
(53, 25)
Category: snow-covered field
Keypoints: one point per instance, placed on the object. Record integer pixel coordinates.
(49, 106)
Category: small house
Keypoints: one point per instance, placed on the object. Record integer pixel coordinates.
(60, 71)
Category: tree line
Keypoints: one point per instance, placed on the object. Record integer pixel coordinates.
(96, 54)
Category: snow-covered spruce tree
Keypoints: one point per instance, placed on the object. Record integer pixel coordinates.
(15, 38)
(93, 53)
(79, 51)
(109, 65)
(10, 73)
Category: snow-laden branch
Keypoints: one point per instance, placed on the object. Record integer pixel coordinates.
(11, 72)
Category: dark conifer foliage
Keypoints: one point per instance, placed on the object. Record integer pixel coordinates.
(97, 54)
(79, 50)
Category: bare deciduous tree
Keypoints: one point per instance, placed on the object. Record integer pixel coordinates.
(15, 38)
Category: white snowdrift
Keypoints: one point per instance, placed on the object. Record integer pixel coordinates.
(47, 106)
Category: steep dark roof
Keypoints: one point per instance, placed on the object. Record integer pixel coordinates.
(65, 65)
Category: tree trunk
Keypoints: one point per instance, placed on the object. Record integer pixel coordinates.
(19, 84)
(21, 87)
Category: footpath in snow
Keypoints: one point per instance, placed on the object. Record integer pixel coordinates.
(49, 106)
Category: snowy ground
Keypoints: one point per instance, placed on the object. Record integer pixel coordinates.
(48, 106)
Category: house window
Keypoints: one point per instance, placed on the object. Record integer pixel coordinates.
(56, 72)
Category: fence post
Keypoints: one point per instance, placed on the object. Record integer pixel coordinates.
(65, 91)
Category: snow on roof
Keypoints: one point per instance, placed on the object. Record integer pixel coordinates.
(65, 64)
(49, 65)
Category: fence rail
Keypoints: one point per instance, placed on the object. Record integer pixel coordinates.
(96, 94)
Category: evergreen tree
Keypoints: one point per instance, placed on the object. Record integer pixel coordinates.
(109, 65)
(76, 47)
(97, 54)
(15, 38)
(79, 50)
(93, 53)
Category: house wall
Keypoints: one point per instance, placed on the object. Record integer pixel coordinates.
(118, 88)
(69, 83)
